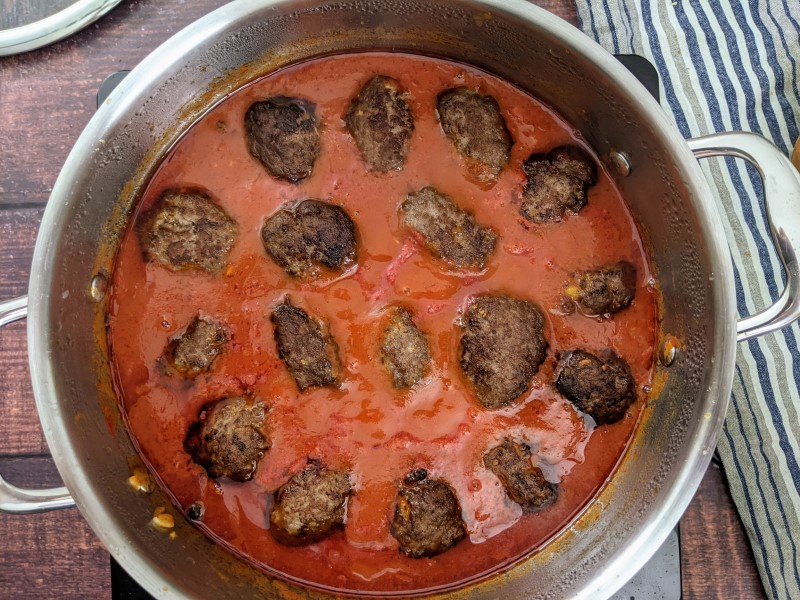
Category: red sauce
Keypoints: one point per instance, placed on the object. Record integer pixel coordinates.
(374, 431)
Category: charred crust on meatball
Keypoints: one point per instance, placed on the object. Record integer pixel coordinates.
(427, 516)
(186, 229)
(311, 237)
(306, 346)
(381, 123)
(194, 351)
(602, 387)
(229, 437)
(602, 291)
(556, 183)
(449, 232)
(524, 483)
(475, 126)
(310, 506)
(282, 135)
(502, 347)
(405, 351)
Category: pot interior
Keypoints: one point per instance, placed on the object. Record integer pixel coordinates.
(196, 69)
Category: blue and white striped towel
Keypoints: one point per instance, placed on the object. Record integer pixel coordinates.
(735, 65)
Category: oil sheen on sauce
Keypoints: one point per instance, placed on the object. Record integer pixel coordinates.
(365, 426)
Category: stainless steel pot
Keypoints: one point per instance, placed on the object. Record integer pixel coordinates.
(665, 189)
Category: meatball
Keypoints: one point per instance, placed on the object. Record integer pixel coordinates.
(404, 349)
(449, 232)
(282, 134)
(306, 346)
(229, 438)
(381, 123)
(475, 126)
(603, 291)
(310, 505)
(192, 352)
(556, 183)
(427, 517)
(502, 346)
(524, 483)
(306, 237)
(188, 230)
(601, 387)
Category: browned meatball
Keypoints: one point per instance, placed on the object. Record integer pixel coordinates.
(193, 351)
(475, 126)
(229, 438)
(556, 183)
(601, 387)
(304, 238)
(604, 290)
(502, 346)
(381, 123)
(310, 506)
(449, 231)
(427, 517)
(404, 349)
(188, 230)
(524, 483)
(306, 346)
(282, 134)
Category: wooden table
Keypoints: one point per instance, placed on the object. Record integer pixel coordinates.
(46, 98)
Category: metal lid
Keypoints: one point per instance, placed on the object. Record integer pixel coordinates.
(55, 27)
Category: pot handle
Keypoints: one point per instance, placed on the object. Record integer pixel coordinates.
(782, 193)
(12, 498)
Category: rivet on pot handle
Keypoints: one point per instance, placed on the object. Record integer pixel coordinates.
(12, 498)
(782, 193)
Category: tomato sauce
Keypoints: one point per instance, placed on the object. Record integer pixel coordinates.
(365, 426)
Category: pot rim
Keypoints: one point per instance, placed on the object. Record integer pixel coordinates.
(157, 67)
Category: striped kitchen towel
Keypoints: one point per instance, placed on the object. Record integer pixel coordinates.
(735, 65)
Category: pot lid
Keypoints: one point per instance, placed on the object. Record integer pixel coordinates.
(31, 24)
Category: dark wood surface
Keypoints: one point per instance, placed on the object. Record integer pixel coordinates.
(47, 97)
